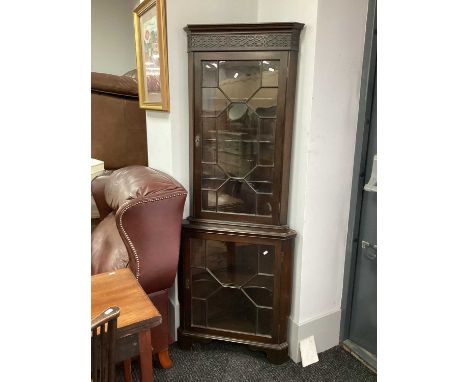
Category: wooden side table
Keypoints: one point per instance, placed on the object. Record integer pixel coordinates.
(137, 316)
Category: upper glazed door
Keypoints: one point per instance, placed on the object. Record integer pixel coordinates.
(239, 113)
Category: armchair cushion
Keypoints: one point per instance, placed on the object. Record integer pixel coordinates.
(108, 249)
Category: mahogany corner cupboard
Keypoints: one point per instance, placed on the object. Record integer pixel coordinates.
(235, 268)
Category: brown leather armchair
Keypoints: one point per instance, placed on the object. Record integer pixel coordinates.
(142, 210)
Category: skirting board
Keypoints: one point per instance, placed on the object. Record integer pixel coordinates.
(325, 329)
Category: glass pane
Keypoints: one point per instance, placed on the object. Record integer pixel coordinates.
(266, 154)
(212, 176)
(197, 252)
(266, 259)
(239, 79)
(230, 309)
(237, 113)
(270, 73)
(209, 151)
(264, 102)
(240, 96)
(213, 102)
(203, 284)
(236, 157)
(267, 130)
(265, 321)
(242, 122)
(231, 263)
(264, 205)
(261, 179)
(237, 197)
(211, 183)
(209, 128)
(260, 290)
(222, 122)
(235, 290)
(209, 200)
(216, 255)
(198, 312)
(210, 74)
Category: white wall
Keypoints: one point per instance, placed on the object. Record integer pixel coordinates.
(112, 36)
(326, 114)
(330, 153)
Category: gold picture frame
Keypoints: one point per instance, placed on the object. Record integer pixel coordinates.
(149, 20)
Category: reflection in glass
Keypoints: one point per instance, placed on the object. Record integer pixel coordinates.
(203, 284)
(260, 290)
(242, 122)
(237, 112)
(264, 102)
(213, 102)
(239, 79)
(270, 73)
(209, 200)
(264, 205)
(210, 74)
(267, 130)
(216, 252)
(209, 128)
(261, 179)
(234, 265)
(197, 252)
(236, 196)
(236, 157)
(266, 259)
(266, 154)
(212, 176)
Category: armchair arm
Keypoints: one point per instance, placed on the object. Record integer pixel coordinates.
(150, 228)
(98, 186)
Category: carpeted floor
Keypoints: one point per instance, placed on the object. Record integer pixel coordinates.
(223, 362)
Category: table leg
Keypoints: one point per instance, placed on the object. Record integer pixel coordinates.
(128, 370)
(146, 356)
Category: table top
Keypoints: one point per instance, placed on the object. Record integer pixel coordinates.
(121, 288)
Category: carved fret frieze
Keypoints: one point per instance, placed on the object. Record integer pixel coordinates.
(229, 41)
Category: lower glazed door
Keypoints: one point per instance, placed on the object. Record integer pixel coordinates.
(232, 287)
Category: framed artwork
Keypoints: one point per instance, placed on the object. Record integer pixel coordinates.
(149, 19)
